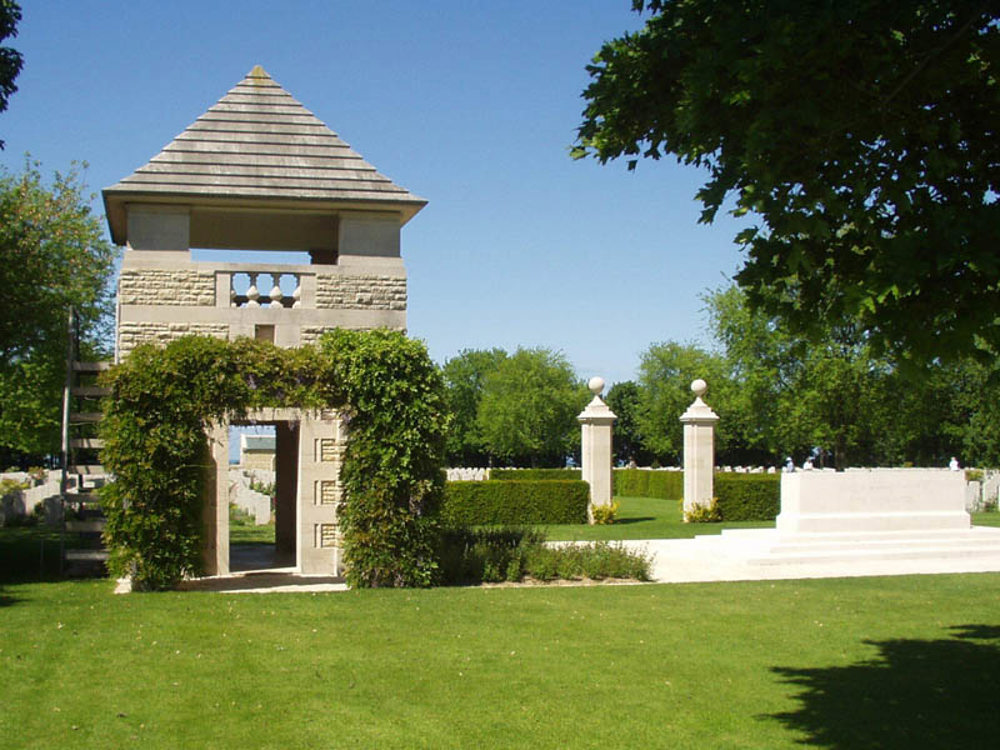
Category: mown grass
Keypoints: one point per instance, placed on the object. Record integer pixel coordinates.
(653, 518)
(876, 662)
(250, 533)
(987, 518)
(838, 663)
(645, 518)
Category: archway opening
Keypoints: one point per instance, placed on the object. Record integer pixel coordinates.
(263, 487)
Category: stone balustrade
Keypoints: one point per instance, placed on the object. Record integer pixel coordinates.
(287, 304)
(264, 289)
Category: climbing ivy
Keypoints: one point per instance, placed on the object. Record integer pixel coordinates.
(165, 399)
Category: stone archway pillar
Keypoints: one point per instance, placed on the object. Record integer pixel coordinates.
(699, 450)
(322, 442)
(215, 507)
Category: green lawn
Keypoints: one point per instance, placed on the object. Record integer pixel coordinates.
(652, 518)
(899, 662)
(986, 519)
(645, 518)
(250, 533)
(877, 662)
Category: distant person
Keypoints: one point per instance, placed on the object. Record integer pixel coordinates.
(953, 464)
(632, 464)
(808, 465)
(789, 465)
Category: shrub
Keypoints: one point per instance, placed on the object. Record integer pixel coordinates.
(523, 474)
(667, 485)
(10, 487)
(264, 488)
(605, 515)
(472, 556)
(240, 517)
(704, 513)
(496, 502)
(748, 497)
(595, 561)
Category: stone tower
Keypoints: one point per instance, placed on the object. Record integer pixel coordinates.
(258, 171)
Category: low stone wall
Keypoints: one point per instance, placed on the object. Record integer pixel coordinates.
(872, 500)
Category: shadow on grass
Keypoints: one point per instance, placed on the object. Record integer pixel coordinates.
(638, 519)
(913, 694)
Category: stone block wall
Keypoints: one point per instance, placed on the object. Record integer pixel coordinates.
(309, 335)
(370, 292)
(131, 334)
(182, 287)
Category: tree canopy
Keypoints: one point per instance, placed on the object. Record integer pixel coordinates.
(665, 374)
(55, 258)
(780, 395)
(464, 377)
(624, 399)
(862, 135)
(11, 60)
(529, 408)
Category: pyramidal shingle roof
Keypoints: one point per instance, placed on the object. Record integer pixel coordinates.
(259, 143)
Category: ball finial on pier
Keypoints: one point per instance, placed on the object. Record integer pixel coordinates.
(596, 385)
(699, 387)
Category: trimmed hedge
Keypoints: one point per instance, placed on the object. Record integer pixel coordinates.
(748, 497)
(740, 497)
(508, 502)
(667, 485)
(525, 474)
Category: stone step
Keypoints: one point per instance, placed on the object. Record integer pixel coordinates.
(85, 417)
(86, 508)
(938, 541)
(86, 443)
(90, 391)
(886, 522)
(775, 537)
(86, 526)
(82, 495)
(86, 555)
(91, 366)
(866, 555)
(87, 469)
(769, 547)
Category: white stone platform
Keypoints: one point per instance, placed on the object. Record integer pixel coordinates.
(767, 554)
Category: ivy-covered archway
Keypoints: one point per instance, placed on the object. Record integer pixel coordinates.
(164, 400)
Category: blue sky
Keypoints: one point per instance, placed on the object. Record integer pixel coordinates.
(472, 105)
